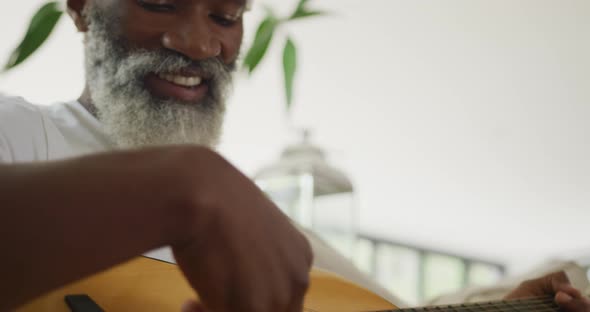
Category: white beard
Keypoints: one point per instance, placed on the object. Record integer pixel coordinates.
(131, 115)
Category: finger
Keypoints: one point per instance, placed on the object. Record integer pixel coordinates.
(570, 304)
(296, 304)
(297, 301)
(192, 306)
(210, 281)
(563, 298)
(570, 290)
(298, 307)
(299, 290)
(249, 292)
(559, 282)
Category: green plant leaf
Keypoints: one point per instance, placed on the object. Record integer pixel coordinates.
(289, 66)
(301, 5)
(40, 27)
(261, 43)
(304, 13)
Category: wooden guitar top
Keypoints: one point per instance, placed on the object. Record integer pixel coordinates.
(145, 284)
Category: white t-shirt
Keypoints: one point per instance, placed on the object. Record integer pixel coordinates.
(30, 133)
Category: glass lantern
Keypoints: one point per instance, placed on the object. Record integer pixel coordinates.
(313, 193)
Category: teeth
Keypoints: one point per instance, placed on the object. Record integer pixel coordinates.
(181, 80)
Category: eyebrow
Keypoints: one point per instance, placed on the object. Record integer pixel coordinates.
(244, 4)
(241, 2)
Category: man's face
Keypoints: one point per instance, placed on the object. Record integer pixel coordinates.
(159, 70)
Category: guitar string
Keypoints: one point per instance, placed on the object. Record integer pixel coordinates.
(544, 304)
(486, 308)
(538, 304)
(489, 307)
(519, 302)
(474, 309)
(480, 308)
(477, 309)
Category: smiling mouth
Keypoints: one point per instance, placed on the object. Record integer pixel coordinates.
(183, 81)
(190, 89)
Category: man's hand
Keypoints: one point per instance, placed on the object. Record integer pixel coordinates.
(61, 221)
(556, 285)
(239, 252)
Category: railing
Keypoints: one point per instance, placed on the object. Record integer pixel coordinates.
(417, 274)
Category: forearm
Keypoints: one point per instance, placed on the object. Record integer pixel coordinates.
(65, 220)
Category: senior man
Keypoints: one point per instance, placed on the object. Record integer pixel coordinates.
(84, 185)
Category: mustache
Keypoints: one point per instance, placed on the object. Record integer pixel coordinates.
(168, 61)
(117, 57)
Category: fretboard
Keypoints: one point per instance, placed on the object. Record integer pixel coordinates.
(522, 305)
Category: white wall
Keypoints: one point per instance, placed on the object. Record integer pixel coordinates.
(462, 122)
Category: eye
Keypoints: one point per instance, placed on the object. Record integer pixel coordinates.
(157, 5)
(224, 21)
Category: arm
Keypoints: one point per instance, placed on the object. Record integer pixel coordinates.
(62, 221)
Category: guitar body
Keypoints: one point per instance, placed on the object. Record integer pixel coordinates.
(145, 284)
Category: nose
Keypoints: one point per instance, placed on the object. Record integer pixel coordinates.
(195, 39)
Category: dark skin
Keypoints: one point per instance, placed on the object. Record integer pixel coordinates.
(216, 220)
(198, 30)
(94, 212)
(556, 285)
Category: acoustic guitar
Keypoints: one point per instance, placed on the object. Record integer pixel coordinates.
(148, 285)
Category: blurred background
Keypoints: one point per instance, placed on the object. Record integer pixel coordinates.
(462, 126)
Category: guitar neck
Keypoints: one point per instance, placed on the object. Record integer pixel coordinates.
(546, 304)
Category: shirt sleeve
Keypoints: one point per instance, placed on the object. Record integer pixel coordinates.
(5, 154)
(22, 135)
